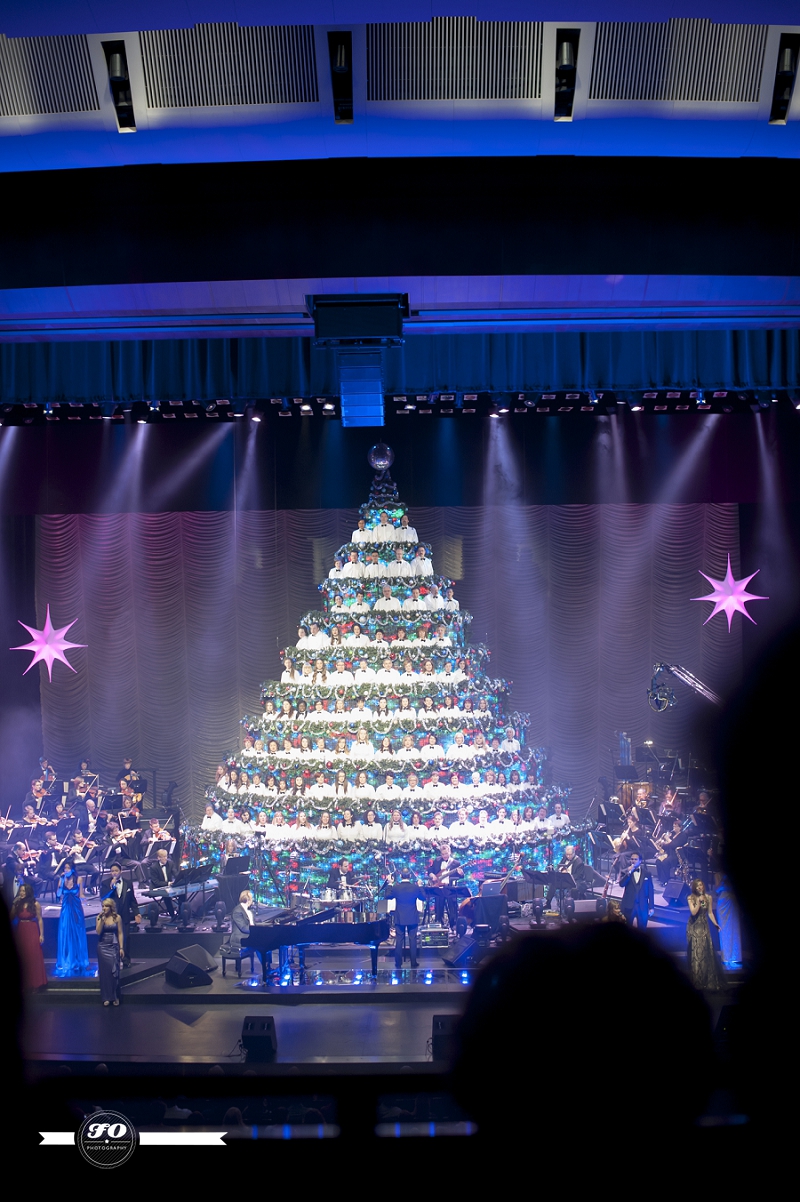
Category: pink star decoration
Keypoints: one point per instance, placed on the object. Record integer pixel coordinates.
(48, 645)
(730, 596)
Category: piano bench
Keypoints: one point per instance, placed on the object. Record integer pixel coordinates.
(237, 957)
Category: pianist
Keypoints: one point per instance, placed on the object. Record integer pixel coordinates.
(162, 874)
(241, 922)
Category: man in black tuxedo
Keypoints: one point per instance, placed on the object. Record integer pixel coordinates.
(241, 921)
(51, 859)
(573, 866)
(123, 897)
(162, 874)
(637, 896)
(344, 874)
(444, 874)
(406, 893)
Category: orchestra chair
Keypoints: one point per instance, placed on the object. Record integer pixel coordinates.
(237, 957)
(49, 886)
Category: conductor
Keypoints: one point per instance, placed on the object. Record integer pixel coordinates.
(406, 893)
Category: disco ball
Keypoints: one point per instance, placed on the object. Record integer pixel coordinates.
(381, 457)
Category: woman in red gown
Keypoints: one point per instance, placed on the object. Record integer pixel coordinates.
(26, 916)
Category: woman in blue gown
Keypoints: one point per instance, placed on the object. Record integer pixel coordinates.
(73, 953)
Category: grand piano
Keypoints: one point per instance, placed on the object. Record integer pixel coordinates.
(268, 937)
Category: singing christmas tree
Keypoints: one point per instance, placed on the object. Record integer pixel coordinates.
(386, 733)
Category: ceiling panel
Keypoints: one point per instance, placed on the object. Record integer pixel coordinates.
(225, 64)
(46, 75)
(454, 58)
(684, 60)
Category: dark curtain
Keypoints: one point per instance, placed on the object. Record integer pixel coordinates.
(252, 367)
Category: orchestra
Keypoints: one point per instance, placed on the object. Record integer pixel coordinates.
(384, 746)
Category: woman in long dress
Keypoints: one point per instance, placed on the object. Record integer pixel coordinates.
(26, 917)
(110, 948)
(699, 947)
(73, 953)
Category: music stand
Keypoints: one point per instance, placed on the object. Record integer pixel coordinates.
(235, 865)
(627, 773)
(559, 883)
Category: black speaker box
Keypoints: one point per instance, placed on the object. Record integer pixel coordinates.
(461, 953)
(443, 1036)
(198, 956)
(259, 1039)
(182, 974)
(675, 892)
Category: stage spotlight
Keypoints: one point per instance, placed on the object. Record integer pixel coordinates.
(210, 407)
(637, 408)
(139, 412)
(254, 416)
(306, 410)
(592, 397)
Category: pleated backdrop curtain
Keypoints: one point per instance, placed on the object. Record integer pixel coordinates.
(207, 368)
(183, 615)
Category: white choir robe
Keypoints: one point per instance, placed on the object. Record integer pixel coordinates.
(370, 831)
(340, 678)
(392, 797)
(406, 534)
(362, 752)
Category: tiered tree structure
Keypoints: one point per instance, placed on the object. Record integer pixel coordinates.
(410, 721)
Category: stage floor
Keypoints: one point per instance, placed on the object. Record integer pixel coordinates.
(178, 1034)
(332, 1013)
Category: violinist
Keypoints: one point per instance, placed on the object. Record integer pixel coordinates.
(85, 858)
(116, 842)
(20, 865)
(31, 818)
(129, 814)
(50, 860)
